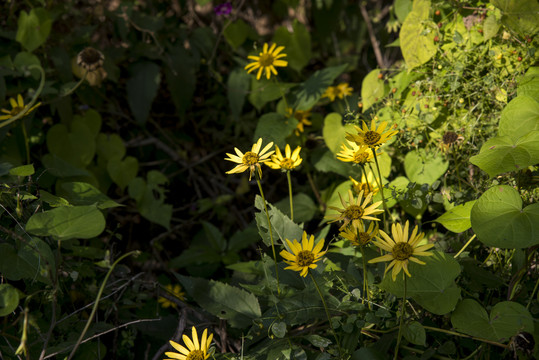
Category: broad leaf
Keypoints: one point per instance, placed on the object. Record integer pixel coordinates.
(9, 299)
(457, 219)
(33, 28)
(417, 35)
(142, 89)
(372, 89)
(334, 132)
(313, 88)
(423, 168)
(274, 127)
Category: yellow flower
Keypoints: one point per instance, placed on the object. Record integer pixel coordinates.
(354, 211)
(401, 249)
(17, 106)
(176, 291)
(302, 116)
(367, 185)
(267, 61)
(251, 159)
(360, 237)
(358, 154)
(372, 137)
(331, 93)
(343, 90)
(290, 161)
(303, 256)
(194, 350)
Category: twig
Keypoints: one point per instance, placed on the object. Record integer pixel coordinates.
(179, 330)
(372, 37)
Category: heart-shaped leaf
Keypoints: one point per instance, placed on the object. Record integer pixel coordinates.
(499, 220)
(519, 117)
(33, 28)
(416, 36)
(457, 219)
(334, 132)
(507, 318)
(122, 171)
(372, 89)
(9, 299)
(423, 168)
(110, 146)
(77, 146)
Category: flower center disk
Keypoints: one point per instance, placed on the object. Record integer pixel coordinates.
(402, 251)
(250, 158)
(195, 355)
(361, 157)
(287, 164)
(266, 60)
(305, 258)
(371, 137)
(353, 212)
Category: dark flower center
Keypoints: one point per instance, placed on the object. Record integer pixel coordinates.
(402, 251)
(371, 137)
(195, 355)
(353, 212)
(361, 157)
(364, 238)
(90, 59)
(250, 158)
(449, 137)
(266, 59)
(305, 258)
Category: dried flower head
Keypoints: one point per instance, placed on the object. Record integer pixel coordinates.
(90, 59)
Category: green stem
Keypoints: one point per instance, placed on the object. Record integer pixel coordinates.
(26, 145)
(34, 98)
(282, 95)
(465, 336)
(401, 322)
(70, 91)
(270, 232)
(290, 195)
(327, 313)
(96, 303)
(365, 278)
(380, 187)
(533, 293)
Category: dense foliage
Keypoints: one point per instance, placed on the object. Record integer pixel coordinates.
(294, 179)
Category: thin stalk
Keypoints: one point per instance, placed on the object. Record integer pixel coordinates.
(290, 195)
(533, 293)
(100, 292)
(365, 277)
(381, 188)
(401, 322)
(70, 91)
(26, 145)
(450, 332)
(327, 313)
(270, 231)
(465, 246)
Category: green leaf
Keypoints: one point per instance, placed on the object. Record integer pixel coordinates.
(150, 198)
(226, 302)
(490, 27)
(506, 319)
(318, 341)
(334, 132)
(282, 226)
(9, 299)
(326, 161)
(24, 170)
(236, 33)
(502, 154)
(423, 168)
(122, 171)
(263, 91)
(181, 77)
(297, 44)
(274, 127)
(372, 89)
(304, 207)
(23, 60)
(414, 332)
(52, 200)
(33, 28)
(214, 236)
(142, 89)
(61, 168)
(499, 220)
(457, 219)
(76, 147)
(520, 16)
(312, 89)
(279, 329)
(434, 280)
(91, 119)
(80, 193)
(38, 255)
(402, 9)
(528, 85)
(519, 118)
(110, 146)
(83, 222)
(238, 87)
(417, 35)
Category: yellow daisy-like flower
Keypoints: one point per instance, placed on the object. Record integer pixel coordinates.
(367, 185)
(176, 291)
(290, 161)
(401, 249)
(343, 90)
(302, 116)
(358, 154)
(251, 159)
(303, 256)
(331, 93)
(17, 106)
(360, 237)
(355, 210)
(372, 137)
(266, 61)
(194, 350)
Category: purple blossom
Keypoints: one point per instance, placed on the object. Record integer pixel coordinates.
(223, 9)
